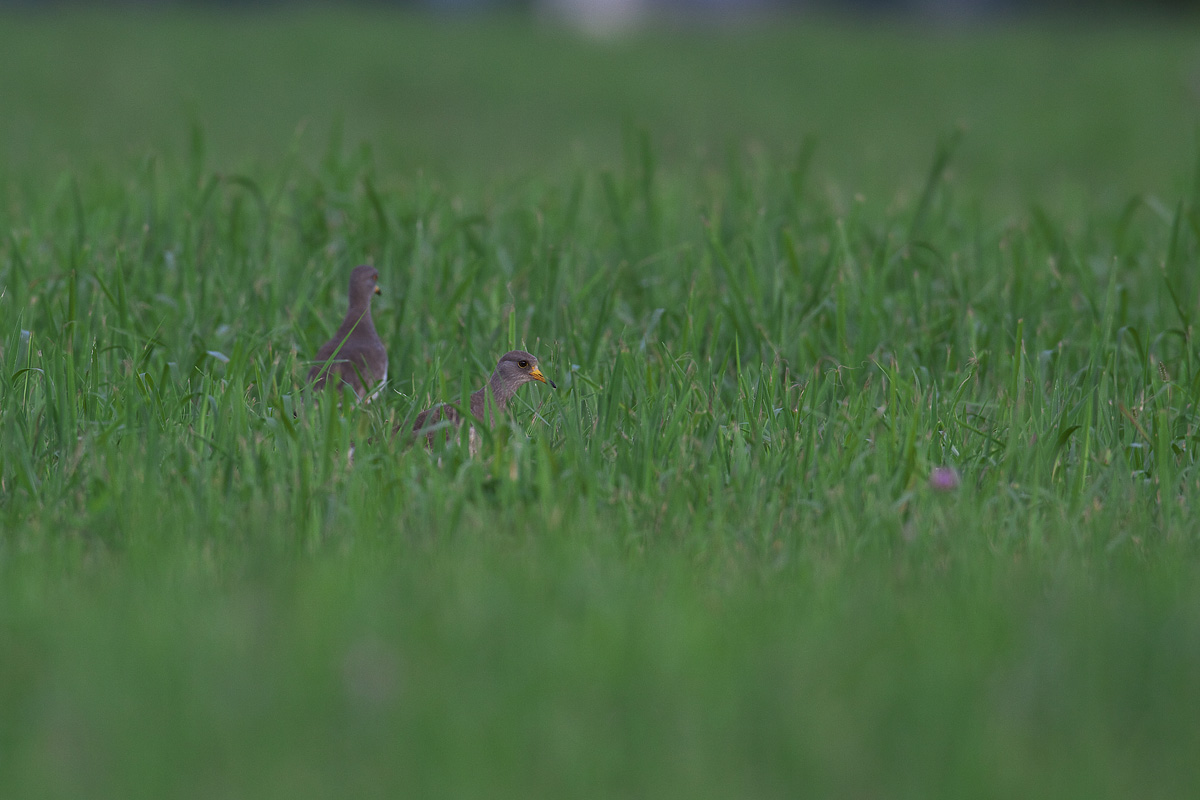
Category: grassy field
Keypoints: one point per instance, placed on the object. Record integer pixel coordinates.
(782, 275)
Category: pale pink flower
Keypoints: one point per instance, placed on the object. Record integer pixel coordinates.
(944, 479)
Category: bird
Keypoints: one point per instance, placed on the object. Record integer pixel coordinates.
(514, 369)
(355, 356)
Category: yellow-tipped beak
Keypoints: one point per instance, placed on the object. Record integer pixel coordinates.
(537, 375)
(378, 290)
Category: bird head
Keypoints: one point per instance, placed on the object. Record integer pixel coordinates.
(518, 367)
(363, 284)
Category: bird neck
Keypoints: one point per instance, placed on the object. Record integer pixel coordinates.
(358, 318)
(501, 391)
(360, 298)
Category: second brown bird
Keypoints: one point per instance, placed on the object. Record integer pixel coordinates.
(355, 356)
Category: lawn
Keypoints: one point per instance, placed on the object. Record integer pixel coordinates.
(784, 274)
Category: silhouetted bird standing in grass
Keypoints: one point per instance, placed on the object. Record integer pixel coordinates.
(355, 355)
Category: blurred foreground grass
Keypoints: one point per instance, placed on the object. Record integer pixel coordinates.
(711, 564)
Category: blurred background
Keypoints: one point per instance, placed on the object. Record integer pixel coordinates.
(631, 9)
(1055, 99)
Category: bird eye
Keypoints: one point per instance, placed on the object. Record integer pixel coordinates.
(522, 364)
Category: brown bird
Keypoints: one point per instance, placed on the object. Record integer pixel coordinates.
(513, 370)
(355, 355)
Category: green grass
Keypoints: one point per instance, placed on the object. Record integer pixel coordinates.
(711, 564)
